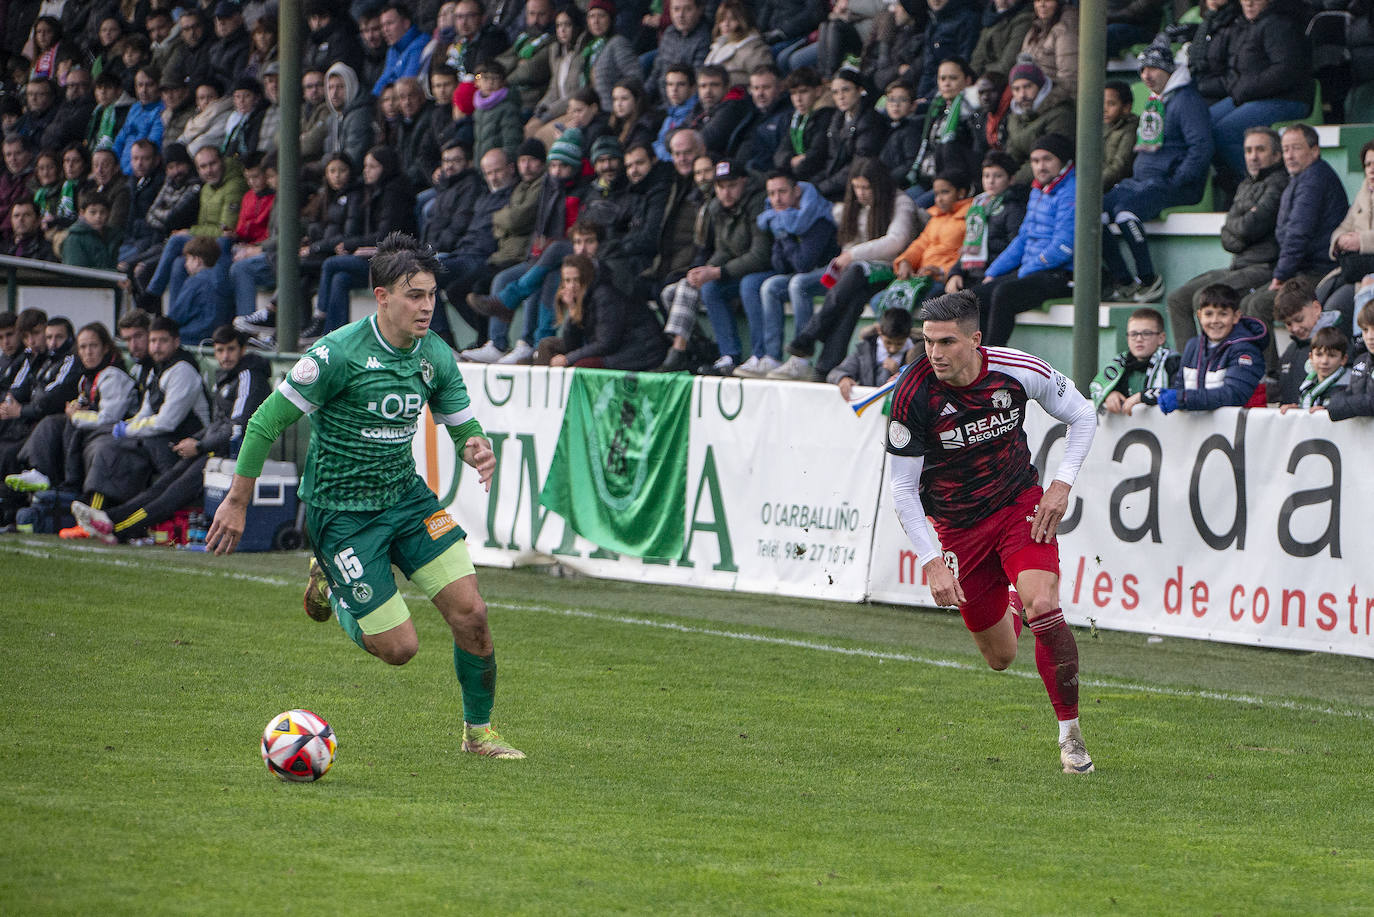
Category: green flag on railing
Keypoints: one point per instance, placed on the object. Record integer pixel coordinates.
(619, 472)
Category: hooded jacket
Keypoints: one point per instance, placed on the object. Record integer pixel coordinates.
(1045, 241)
(402, 59)
(237, 394)
(1356, 399)
(1184, 156)
(736, 242)
(952, 32)
(1218, 375)
(350, 131)
(105, 395)
(1025, 126)
(940, 242)
(1248, 231)
(804, 236)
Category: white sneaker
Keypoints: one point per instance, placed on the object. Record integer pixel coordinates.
(487, 353)
(724, 366)
(96, 522)
(1073, 754)
(749, 369)
(519, 353)
(253, 322)
(797, 369)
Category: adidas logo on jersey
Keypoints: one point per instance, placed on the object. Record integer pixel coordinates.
(372, 363)
(947, 410)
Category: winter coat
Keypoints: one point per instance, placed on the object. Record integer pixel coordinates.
(350, 131)
(939, 243)
(35, 246)
(1312, 206)
(900, 149)
(676, 48)
(255, 214)
(498, 127)
(737, 244)
(620, 331)
(673, 240)
(208, 127)
(105, 396)
(1356, 399)
(144, 122)
(453, 203)
(1118, 150)
(845, 139)
(674, 117)
(962, 149)
(336, 43)
(892, 47)
(1045, 241)
(327, 216)
(1248, 231)
(1293, 361)
(387, 207)
(229, 55)
(761, 134)
(1358, 219)
(803, 237)
(897, 234)
(633, 240)
(1001, 38)
(513, 224)
(244, 135)
(721, 128)
(1023, 129)
(527, 65)
(565, 78)
(84, 247)
(788, 20)
(489, 42)
(1003, 223)
(1056, 54)
(1184, 156)
(1209, 49)
(1142, 13)
(1219, 375)
(402, 59)
(236, 395)
(49, 385)
(739, 58)
(813, 134)
(142, 193)
(419, 152)
(175, 207)
(219, 204)
(862, 363)
(479, 239)
(68, 124)
(1269, 58)
(952, 32)
(616, 61)
(204, 302)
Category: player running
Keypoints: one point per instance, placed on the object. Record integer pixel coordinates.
(365, 387)
(955, 437)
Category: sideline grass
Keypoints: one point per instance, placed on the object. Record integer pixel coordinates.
(673, 768)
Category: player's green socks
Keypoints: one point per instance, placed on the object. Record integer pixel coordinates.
(477, 679)
(350, 627)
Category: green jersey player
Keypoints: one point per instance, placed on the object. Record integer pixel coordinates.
(364, 387)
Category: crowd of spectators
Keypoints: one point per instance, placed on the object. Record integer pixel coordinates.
(616, 183)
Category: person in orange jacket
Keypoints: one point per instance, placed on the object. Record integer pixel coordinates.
(936, 250)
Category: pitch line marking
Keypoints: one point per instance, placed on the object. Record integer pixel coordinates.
(879, 655)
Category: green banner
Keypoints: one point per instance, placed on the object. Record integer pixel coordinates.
(619, 473)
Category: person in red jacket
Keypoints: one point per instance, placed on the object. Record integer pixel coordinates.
(255, 213)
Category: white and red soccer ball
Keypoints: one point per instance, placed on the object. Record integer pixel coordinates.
(298, 746)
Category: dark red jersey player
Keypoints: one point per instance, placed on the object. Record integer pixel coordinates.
(958, 453)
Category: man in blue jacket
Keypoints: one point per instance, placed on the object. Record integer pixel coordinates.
(1038, 264)
(1173, 154)
(1312, 206)
(405, 46)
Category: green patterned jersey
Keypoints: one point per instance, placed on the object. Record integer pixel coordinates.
(365, 400)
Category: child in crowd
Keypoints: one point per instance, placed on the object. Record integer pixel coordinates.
(202, 303)
(808, 124)
(1222, 367)
(1145, 364)
(496, 120)
(1296, 306)
(1357, 398)
(883, 349)
(936, 250)
(1118, 132)
(904, 131)
(87, 244)
(255, 212)
(1326, 374)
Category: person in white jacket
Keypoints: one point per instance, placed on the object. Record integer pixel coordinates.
(872, 205)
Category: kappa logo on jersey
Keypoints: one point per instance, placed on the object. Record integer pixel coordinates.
(372, 363)
(981, 430)
(322, 352)
(1001, 399)
(438, 524)
(305, 371)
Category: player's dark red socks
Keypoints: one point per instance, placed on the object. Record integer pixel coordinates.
(1056, 658)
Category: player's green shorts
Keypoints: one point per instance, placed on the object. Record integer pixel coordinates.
(356, 549)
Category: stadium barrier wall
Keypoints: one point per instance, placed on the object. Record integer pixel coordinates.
(1236, 526)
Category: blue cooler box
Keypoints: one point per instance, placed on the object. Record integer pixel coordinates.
(270, 523)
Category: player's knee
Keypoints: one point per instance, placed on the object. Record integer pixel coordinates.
(399, 653)
(1000, 662)
(1039, 606)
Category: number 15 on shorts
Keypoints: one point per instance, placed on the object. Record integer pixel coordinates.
(349, 566)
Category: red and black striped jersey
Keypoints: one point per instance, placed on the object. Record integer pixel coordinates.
(976, 458)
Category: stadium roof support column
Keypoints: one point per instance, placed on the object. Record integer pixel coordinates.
(288, 204)
(1087, 247)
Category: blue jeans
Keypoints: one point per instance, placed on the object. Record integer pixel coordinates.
(717, 295)
(340, 275)
(247, 277)
(751, 288)
(783, 51)
(424, 207)
(802, 289)
(497, 330)
(1230, 120)
(805, 56)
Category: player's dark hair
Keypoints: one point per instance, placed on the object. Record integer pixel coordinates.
(588, 227)
(1219, 295)
(8, 320)
(961, 308)
(204, 248)
(59, 321)
(165, 323)
(228, 334)
(91, 198)
(30, 320)
(802, 78)
(1296, 294)
(102, 334)
(1330, 338)
(134, 318)
(1146, 314)
(1309, 133)
(895, 323)
(1123, 92)
(400, 256)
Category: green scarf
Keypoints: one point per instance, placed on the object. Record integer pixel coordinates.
(526, 45)
(974, 254)
(66, 201)
(924, 166)
(797, 132)
(1149, 135)
(589, 53)
(105, 128)
(1154, 377)
(1315, 393)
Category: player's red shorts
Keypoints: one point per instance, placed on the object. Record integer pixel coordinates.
(990, 555)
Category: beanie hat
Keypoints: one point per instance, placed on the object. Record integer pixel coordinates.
(567, 148)
(1158, 55)
(607, 145)
(531, 146)
(605, 5)
(1057, 144)
(1026, 69)
(176, 152)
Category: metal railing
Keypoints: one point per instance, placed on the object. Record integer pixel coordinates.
(43, 273)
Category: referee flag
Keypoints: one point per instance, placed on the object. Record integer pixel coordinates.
(619, 472)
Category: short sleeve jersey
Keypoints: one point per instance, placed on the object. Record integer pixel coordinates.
(976, 457)
(365, 399)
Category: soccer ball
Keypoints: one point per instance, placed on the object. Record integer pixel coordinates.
(298, 746)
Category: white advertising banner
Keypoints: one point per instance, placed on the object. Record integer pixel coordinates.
(773, 504)
(1236, 526)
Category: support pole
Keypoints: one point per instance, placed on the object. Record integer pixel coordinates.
(1087, 242)
(288, 205)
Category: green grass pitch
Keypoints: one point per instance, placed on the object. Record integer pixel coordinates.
(689, 752)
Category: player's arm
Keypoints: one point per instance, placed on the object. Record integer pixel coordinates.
(264, 428)
(451, 406)
(1063, 402)
(904, 471)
